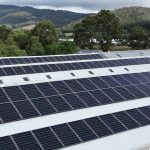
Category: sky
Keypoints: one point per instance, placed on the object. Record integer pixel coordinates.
(83, 6)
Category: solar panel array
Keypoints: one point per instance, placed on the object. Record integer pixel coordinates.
(45, 59)
(32, 100)
(77, 132)
(39, 99)
(32, 69)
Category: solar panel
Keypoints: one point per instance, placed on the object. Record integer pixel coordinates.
(66, 135)
(77, 132)
(26, 109)
(138, 116)
(32, 69)
(18, 60)
(128, 121)
(74, 101)
(6, 143)
(26, 141)
(59, 103)
(115, 125)
(82, 130)
(47, 139)
(8, 113)
(98, 127)
(32, 100)
(43, 106)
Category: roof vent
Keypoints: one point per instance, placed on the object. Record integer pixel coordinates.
(73, 74)
(90, 72)
(111, 70)
(48, 77)
(1, 82)
(126, 69)
(25, 79)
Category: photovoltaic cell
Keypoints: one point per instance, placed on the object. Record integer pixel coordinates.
(98, 126)
(140, 118)
(126, 120)
(26, 141)
(83, 131)
(8, 113)
(7, 144)
(47, 139)
(74, 101)
(113, 123)
(26, 109)
(43, 106)
(59, 103)
(66, 135)
(15, 93)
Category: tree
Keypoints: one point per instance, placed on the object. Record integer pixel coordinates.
(34, 46)
(138, 38)
(21, 38)
(52, 49)
(10, 50)
(84, 33)
(99, 29)
(66, 47)
(107, 28)
(4, 32)
(46, 32)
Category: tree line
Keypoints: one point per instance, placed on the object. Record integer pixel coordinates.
(93, 32)
(98, 32)
(42, 40)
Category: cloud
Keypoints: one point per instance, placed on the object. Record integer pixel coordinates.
(78, 5)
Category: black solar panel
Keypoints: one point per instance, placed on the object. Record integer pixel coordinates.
(74, 101)
(15, 93)
(43, 106)
(26, 109)
(138, 116)
(47, 139)
(31, 91)
(145, 111)
(8, 113)
(98, 126)
(59, 103)
(128, 121)
(66, 135)
(88, 99)
(116, 97)
(26, 141)
(113, 123)
(82, 130)
(7, 144)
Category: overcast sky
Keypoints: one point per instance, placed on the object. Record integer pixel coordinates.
(84, 6)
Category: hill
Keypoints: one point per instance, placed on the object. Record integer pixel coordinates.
(133, 16)
(129, 16)
(15, 15)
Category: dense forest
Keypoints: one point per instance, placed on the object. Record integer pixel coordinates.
(14, 15)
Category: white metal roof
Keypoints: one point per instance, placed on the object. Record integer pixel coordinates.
(126, 53)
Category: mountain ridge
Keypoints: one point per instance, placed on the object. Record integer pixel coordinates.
(17, 15)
